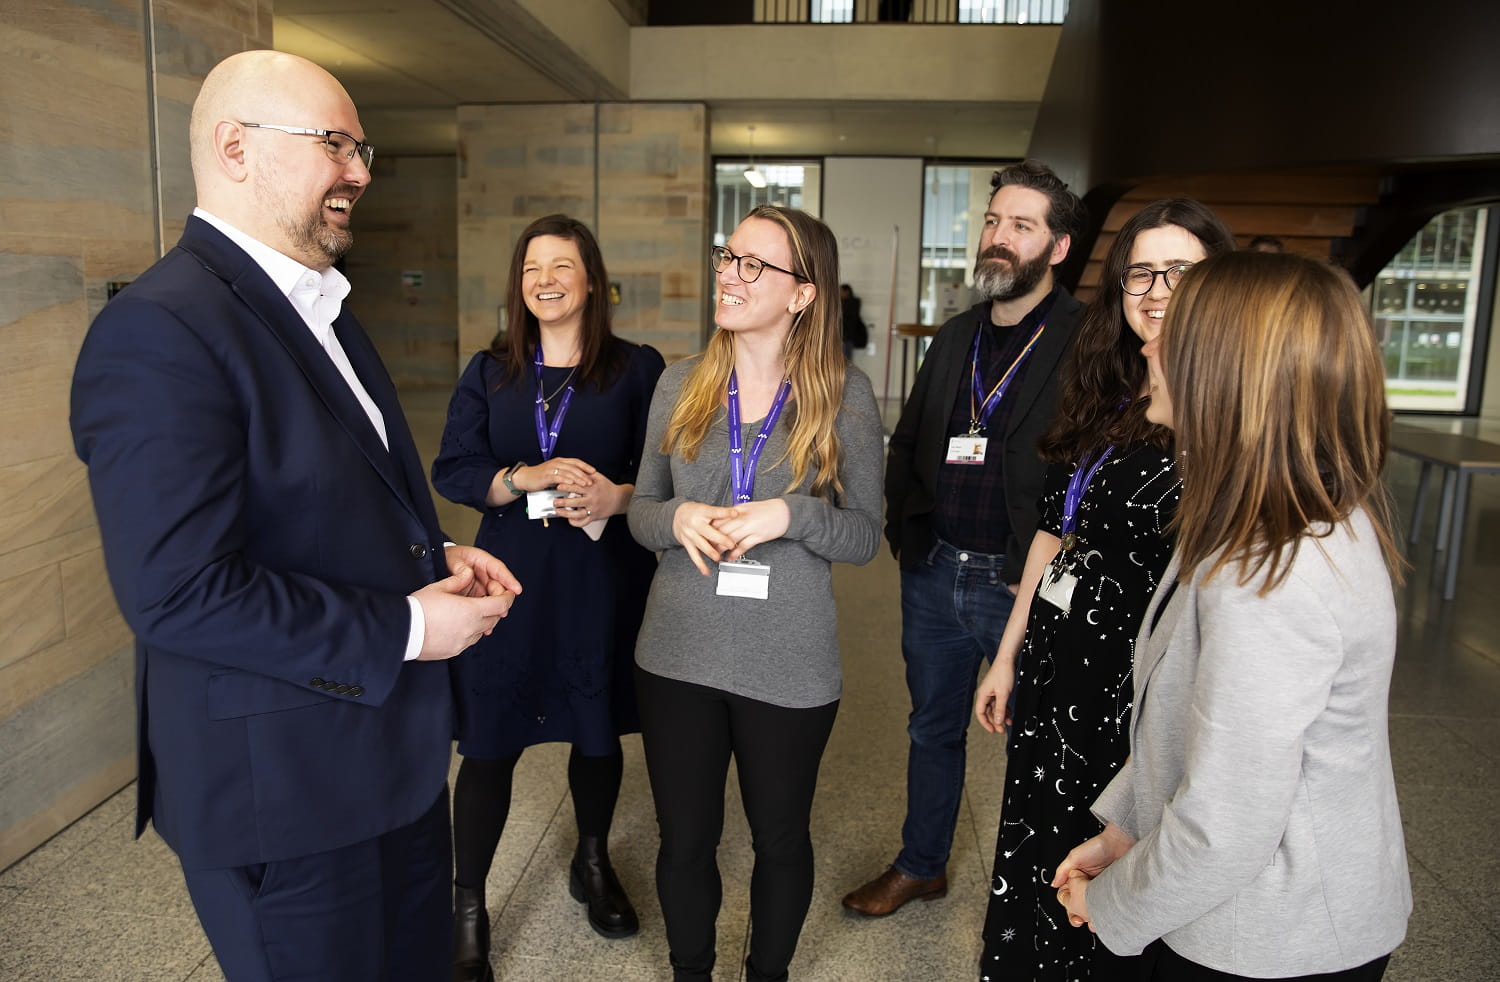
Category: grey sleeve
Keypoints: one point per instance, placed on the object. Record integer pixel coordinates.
(654, 503)
(847, 532)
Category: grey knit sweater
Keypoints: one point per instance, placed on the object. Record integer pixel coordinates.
(783, 650)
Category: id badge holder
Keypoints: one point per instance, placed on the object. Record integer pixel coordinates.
(744, 578)
(967, 449)
(1057, 586)
(542, 504)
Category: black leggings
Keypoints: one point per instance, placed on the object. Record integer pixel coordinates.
(690, 731)
(481, 803)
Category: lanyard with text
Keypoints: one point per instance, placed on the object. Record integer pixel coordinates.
(546, 434)
(971, 447)
(1057, 584)
(745, 577)
(982, 407)
(543, 504)
(742, 466)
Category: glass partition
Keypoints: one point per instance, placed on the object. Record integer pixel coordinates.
(1425, 306)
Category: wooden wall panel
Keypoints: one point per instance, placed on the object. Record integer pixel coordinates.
(77, 211)
(636, 173)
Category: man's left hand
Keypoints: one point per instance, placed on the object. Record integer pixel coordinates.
(491, 577)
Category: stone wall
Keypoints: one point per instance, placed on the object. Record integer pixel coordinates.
(635, 173)
(95, 178)
(404, 268)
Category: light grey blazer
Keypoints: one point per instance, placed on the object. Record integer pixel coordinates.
(1259, 786)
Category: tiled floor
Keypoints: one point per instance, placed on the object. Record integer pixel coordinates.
(94, 904)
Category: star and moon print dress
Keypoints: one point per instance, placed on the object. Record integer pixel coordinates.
(1071, 726)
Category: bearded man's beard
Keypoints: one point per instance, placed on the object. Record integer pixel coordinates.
(996, 281)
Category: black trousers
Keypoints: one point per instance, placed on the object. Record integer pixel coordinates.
(690, 732)
(1161, 964)
(375, 911)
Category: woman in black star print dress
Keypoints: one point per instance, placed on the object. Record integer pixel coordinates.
(1100, 548)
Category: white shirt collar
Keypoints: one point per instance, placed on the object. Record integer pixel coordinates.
(317, 296)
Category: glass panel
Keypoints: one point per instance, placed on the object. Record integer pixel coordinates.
(953, 200)
(832, 11)
(795, 184)
(1423, 305)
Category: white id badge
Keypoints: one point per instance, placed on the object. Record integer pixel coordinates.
(542, 504)
(967, 449)
(1057, 587)
(744, 578)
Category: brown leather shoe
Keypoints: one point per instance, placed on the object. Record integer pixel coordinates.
(887, 892)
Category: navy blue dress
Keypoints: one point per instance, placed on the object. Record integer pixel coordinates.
(558, 669)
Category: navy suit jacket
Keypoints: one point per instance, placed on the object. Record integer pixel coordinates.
(261, 542)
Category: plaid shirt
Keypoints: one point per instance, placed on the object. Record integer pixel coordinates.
(970, 511)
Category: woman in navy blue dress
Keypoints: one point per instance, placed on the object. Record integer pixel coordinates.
(544, 435)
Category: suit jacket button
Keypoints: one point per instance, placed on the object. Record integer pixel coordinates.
(316, 683)
(356, 691)
(330, 686)
(341, 689)
(418, 551)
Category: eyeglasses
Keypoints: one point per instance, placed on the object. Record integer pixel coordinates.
(341, 146)
(1138, 280)
(749, 269)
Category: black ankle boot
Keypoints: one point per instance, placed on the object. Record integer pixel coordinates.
(592, 881)
(471, 936)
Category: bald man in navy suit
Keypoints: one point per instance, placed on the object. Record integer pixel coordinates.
(271, 541)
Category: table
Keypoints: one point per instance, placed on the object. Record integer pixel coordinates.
(908, 333)
(1460, 457)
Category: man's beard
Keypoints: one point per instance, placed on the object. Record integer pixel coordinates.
(995, 281)
(316, 236)
(309, 235)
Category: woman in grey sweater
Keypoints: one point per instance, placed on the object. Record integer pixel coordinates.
(762, 468)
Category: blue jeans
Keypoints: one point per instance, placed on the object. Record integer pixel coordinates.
(954, 605)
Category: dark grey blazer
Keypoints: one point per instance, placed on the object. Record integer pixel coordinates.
(1259, 785)
(920, 440)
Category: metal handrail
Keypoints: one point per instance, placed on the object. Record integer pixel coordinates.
(910, 11)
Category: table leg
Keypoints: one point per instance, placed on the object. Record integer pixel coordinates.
(1456, 534)
(1445, 512)
(904, 360)
(1420, 505)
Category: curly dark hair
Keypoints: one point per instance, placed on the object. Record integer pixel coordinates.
(1105, 370)
(1066, 213)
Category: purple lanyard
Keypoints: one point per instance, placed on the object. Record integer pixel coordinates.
(546, 434)
(741, 469)
(979, 419)
(1077, 484)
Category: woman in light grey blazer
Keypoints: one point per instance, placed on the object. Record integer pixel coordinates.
(1254, 833)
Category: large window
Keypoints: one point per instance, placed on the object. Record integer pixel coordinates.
(952, 201)
(795, 184)
(1425, 306)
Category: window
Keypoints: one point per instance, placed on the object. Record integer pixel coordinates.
(952, 201)
(795, 184)
(1012, 11)
(1425, 307)
(832, 12)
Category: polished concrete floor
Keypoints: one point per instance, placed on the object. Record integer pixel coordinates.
(95, 904)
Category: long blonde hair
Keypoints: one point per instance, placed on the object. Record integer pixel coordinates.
(1278, 404)
(813, 357)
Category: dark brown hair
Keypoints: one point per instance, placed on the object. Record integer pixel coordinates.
(1065, 210)
(600, 361)
(1278, 404)
(1105, 370)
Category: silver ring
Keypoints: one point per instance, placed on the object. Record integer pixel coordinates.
(588, 511)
